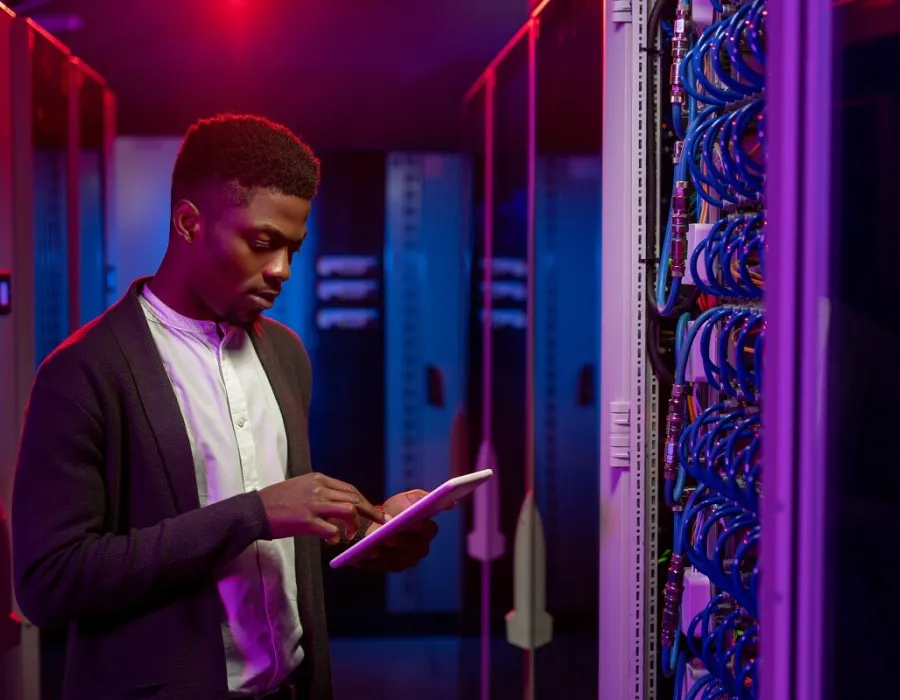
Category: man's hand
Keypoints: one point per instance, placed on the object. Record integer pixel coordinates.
(315, 504)
(406, 549)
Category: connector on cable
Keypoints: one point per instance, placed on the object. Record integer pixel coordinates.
(730, 405)
(680, 44)
(697, 235)
(673, 591)
(728, 9)
(694, 673)
(676, 153)
(674, 425)
(680, 227)
(750, 408)
(695, 599)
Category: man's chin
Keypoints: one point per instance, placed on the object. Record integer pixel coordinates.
(244, 317)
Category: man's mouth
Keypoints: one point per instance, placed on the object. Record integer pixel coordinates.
(264, 299)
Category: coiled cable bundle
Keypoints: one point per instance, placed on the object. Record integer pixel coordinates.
(731, 257)
(714, 239)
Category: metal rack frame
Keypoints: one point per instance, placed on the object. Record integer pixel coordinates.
(629, 393)
(798, 201)
(17, 254)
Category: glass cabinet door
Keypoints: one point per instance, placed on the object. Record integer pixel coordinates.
(496, 125)
(52, 136)
(533, 126)
(94, 115)
(862, 492)
(566, 339)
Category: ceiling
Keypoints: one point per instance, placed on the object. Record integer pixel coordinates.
(345, 74)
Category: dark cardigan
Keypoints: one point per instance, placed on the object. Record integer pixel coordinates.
(108, 535)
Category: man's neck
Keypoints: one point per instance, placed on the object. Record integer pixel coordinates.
(169, 288)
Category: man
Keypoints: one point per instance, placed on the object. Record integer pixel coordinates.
(164, 504)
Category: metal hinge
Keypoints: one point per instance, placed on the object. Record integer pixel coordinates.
(620, 435)
(621, 11)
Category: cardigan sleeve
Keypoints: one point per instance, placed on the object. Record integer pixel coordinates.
(65, 566)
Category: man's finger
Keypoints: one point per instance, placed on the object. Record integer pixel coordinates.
(338, 496)
(337, 484)
(415, 495)
(348, 531)
(325, 530)
(367, 510)
(345, 513)
(342, 495)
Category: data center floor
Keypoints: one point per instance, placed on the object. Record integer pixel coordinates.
(447, 668)
(431, 668)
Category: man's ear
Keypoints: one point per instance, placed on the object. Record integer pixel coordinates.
(186, 220)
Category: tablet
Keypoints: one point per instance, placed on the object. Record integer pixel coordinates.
(442, 498)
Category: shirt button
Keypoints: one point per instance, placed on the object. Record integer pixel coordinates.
(241, 423)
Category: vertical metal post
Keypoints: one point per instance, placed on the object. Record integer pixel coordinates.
(625, 611)
(814, 304)
(642, 499)
(8, 406)
(22, 43)
(798, 200)
(23, 290)
(487, 364)
(778, 411)
(530, 333)
(73, 193)
(10, 648)
(531, 193)
(110, 126)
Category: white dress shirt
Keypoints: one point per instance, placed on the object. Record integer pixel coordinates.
(239, 444)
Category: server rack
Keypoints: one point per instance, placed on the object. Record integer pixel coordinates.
(425, 383)
(43, 259)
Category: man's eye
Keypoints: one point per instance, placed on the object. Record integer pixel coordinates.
(260, 245)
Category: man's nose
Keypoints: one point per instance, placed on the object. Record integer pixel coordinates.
(279, 268)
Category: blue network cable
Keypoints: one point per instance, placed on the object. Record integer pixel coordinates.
(712, 466)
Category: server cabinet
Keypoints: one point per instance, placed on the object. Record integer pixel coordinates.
(424, 297)
(92, 166)
(45, 102)
(565, 374)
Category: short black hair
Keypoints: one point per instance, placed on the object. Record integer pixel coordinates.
(245, 151)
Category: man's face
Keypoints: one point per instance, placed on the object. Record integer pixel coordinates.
(243, 254)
